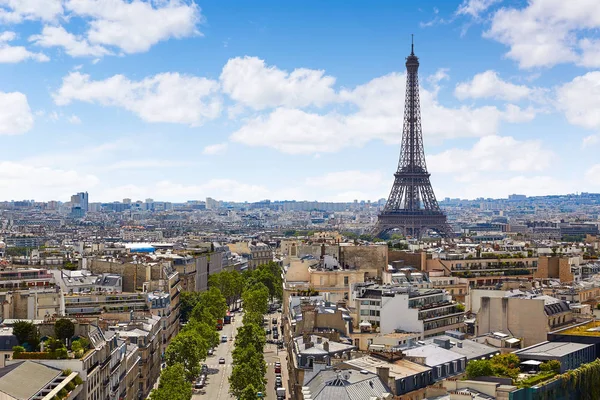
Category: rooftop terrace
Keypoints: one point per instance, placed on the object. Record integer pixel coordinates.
(591, 328)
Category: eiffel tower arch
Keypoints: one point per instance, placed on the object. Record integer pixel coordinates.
(412, 207)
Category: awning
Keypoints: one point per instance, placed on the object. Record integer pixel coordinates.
(513, 340)
(365, 324)
(531, 362)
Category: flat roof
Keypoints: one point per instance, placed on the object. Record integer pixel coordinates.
(591, 328)
(398, 369)
(551, 349)
(27, 379)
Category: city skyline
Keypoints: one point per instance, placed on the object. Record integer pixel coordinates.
(241, 103)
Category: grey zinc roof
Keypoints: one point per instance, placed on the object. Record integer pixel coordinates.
(470, 348)
(551, 349)
(28, 378)
(347, 384)
(433, 354)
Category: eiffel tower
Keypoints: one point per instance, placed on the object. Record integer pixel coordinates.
(412, 207)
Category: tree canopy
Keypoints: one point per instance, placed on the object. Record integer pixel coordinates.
(64, 329)
(188, 349)
(27, 334)
(256, 299)
(173, 384)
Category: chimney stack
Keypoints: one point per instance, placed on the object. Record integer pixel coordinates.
(306, 338)
(326, 346)
(384, 374)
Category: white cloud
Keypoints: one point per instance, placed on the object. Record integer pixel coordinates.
(475, 8)
(15, 114)
(135, 26)
(514, 114)
(590, 52)
(16, 11)
(378, 116)
(14, 54)
(580, 100)
(544, 32)
(74, 119)
(171, 191)
(25, 181)
(214, 149)
(492, 154)
(538, 185)
(590, 140)
(147, 164)
(488, 84)
(349, 181)
(249, 81)
(592, 175)
(75, 46)
(166, 97)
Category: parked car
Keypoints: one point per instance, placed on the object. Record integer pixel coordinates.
(221, 360)
(277, 367)
(224, 339)
(274, 321)
(275, 335)
(268, 332)
(211, 352)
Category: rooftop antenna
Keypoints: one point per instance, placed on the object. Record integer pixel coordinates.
(412, 44)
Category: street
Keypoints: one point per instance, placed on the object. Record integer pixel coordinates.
(272, 355)
(217, 381)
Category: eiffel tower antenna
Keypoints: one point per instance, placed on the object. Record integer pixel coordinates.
(412, 207)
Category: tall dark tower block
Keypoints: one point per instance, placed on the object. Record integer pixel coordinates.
(411, 206)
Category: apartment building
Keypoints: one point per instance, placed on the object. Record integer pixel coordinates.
(144, 333)
(389, 308)
(526, 316)
(33, 303)
(260, 253)
(107, 368)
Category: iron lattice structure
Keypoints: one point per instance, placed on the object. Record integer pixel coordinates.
(412, 207)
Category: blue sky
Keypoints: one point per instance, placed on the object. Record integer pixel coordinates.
(245, 100)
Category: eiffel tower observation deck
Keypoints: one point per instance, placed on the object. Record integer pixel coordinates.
(412, 208)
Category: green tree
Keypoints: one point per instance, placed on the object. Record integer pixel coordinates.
(251, 317)
(550, 365)
(211, 301)
(256, 299)
(27, 334)
(187, 301)
(250, 335)
(64, 329)
(229, 283)
(173, 384)
(247, 374)
(189, 349)
(80, 346)
(249, 393)
(476, 368)
(208, 331)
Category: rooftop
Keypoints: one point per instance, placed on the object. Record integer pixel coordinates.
(433, 354)
(24, 380)
(591, 328)
(341, 385)
(551, 349)
(398, 369)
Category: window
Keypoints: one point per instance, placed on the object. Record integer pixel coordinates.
(345, 281)
(439, 371)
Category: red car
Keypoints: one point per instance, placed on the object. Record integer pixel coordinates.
(277, 368)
